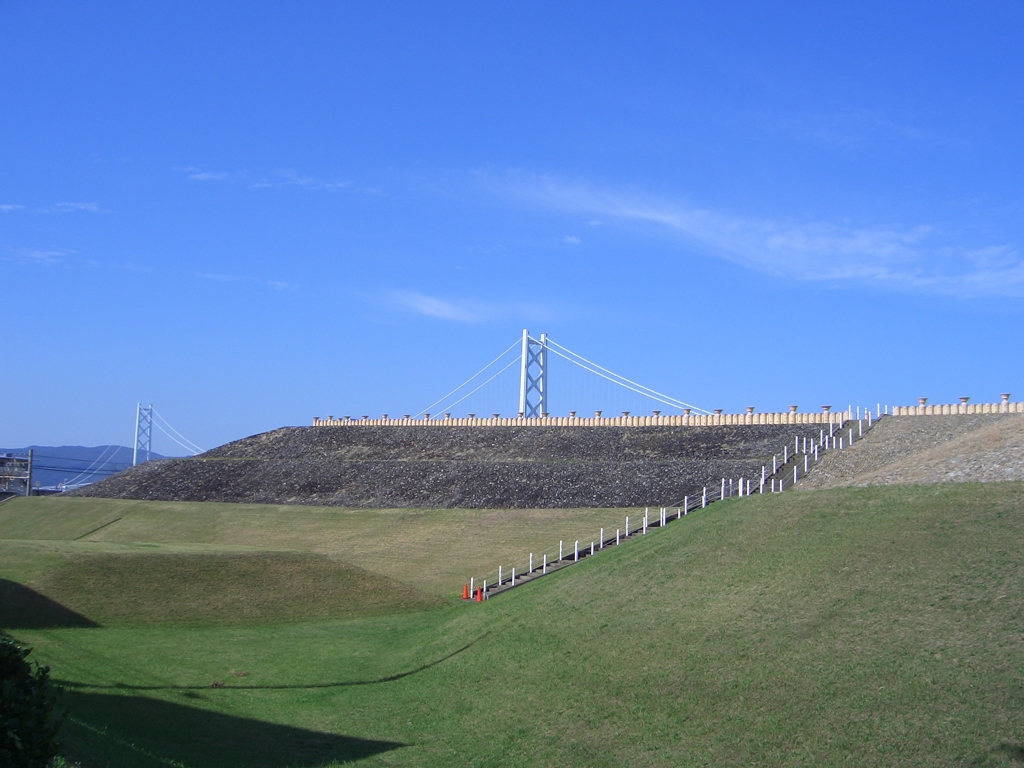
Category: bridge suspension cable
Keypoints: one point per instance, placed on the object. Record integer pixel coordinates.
(474, 391)
(473, 377)
(184, 442)
(89, 471)
(615, 378)
(533, 378)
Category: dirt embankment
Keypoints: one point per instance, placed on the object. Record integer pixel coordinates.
(927, 449)
(485, 467)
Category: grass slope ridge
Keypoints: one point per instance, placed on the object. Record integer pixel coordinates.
(514, 467)
(870, 627)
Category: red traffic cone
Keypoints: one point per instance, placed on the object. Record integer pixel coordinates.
(479, 594)
(465, 591)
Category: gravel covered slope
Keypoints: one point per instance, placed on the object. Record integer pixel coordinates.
(927, 449)
(487, 467)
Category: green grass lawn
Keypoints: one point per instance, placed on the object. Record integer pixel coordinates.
(436, 550)
(877, 627)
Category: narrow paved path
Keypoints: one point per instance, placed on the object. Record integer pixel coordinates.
(927, 449)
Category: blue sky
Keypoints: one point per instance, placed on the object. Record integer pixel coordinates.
(249, 214)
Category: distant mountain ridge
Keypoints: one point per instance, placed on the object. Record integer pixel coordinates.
(75, 464)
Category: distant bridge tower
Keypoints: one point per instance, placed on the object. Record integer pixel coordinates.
(533, 376)
(143, 434)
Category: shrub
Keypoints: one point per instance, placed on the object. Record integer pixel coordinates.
(28, 725)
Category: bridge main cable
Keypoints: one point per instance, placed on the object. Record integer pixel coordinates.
(616, 378)
(478, 373)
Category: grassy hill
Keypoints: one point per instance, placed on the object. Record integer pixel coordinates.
(878, 627)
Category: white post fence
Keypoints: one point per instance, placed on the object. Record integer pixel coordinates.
(811, 449)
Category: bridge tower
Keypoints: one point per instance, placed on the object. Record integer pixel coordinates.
(533, 376)
(143, 434)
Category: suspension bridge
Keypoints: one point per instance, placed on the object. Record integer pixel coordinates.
(536, 360)
(55, 470)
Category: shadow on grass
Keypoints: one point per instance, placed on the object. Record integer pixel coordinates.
(71, 685)
(24, 608)
(116, 730)
(1014, 751)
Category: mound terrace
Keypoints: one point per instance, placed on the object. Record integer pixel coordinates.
(468, 467)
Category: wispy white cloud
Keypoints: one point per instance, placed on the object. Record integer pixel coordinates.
(73, 207)
(291, 178)
(277, 285)
(431, 306)
(35, 256)
(916, 258)
(571, 240)
(209, 176)
(285, 177)
(464, 310)
(850, 129)
(192, 173)
(56, 208)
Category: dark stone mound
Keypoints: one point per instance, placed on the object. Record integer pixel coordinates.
(469, 467)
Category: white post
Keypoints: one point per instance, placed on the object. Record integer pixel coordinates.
(831, 427)
(471, 592)
(545, 566)
(602, 538)
(805, 463)
(591, 547)
(627, 526)
(513, 575)
(499, 575)
(840, 443)
(775, 464)
(723, 488)
(860, 429)
(785, 454)
(773, 485)
(686, 505)
(576, 552)
(531, 562)
(796, 444)
(559, 551)
(617, 532)
(485, 589)
(704, 498)
(794, 474)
